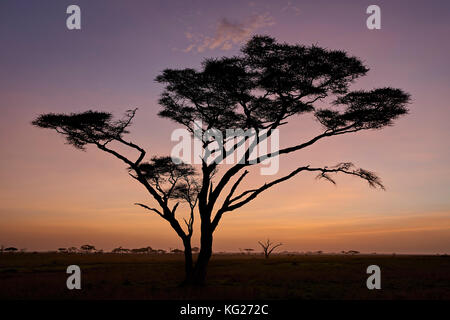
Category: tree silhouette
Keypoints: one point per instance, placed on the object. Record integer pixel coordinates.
(72, 249)
(87, 248)
(249, 250)
(142, 250)
(262, 89)
(120, 250)
(173, 182)
(268, 247)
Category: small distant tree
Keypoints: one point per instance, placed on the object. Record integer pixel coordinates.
(62, 250)
(11, 249)
(72, 249)
(87, 248)
(249, 250)
(268, 247)
(142, 250)
(177, 251)
(121, 250)
(147, 250)
(195, 249)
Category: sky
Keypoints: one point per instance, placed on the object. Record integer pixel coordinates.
(52, 195)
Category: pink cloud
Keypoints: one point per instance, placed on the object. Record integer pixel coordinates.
(228, 33)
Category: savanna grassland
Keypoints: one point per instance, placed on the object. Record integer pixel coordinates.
(147, 276)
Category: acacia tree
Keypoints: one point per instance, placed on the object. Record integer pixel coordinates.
(87, 248)
(268, 247)
(173, 182)
(262, 89)
(249, 250)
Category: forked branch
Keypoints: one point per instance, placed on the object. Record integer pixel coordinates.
(268, 247)
(344, 167)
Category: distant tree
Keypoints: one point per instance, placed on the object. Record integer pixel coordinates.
(11, 249)
(121, 250)
(87, 248)
(261, 90)
(249, 250)
(161, 251)
(62, 250)
(195, 249)
(176, 251)
(352, 252)
(147, 250)
(268, 247)
(142, 250)
(72, 249)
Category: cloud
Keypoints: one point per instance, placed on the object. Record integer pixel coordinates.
(292, 8)
(228, 33)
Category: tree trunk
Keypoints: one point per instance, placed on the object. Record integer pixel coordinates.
(199, 274)
(188, 263)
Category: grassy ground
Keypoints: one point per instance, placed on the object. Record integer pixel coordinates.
(114, 276)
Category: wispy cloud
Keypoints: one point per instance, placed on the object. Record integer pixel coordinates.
(228, 33)
(290, 7)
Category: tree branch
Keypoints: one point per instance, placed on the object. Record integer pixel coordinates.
(345, 167)
(227, 201)
(151, 209)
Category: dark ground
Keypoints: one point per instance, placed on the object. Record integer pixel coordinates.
(134, 276)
